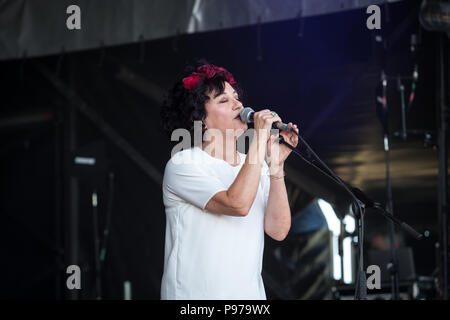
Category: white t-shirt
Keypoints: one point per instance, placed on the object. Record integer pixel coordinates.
(210, 255)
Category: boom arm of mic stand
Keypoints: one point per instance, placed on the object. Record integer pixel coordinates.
(359, 195)
(369, 203)
(401, 224)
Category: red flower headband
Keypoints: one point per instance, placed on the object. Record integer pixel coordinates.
(206, 71)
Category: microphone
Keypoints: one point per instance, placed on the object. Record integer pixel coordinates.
(247, 113)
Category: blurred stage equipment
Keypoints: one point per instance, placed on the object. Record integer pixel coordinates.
(90, 165)
(383, 115)
(405, 264)
(435, 15)
(323, 182)
(127, 290)
(411, 286)
(300, 267)
(443, 112)
(78, 163)
(407, 288)
(22, 120)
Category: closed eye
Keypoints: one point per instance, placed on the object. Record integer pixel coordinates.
(226, 100)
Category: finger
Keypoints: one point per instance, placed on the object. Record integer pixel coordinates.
(261, 113)
(266, 115)
(271, 118)
(289, 136)
(291, 125)
(276, 118)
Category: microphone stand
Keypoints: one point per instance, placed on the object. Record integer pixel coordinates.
(393, 265)
(358, 210)
(383, 114)
(359, 203)
(401, 88)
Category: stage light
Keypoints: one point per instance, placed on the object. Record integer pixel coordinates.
(350, 224)
(332, 220)
(334, 225)
(348, 266)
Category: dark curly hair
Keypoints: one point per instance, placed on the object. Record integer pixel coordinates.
(181, 107)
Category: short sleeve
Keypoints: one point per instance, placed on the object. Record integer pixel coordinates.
(191, 182)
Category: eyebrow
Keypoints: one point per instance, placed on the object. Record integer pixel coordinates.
(219, 94)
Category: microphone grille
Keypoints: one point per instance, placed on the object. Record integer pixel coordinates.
(245, 114)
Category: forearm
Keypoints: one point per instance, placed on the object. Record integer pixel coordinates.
(278, 213)
(245, 187)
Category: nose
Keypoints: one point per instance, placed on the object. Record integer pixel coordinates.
(238, 105)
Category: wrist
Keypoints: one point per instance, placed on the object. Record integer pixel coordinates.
(261, 136)
(276, 170)
(256, 151)
(278, 176)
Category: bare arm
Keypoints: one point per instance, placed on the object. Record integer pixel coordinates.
(238, 199)
(278, 213)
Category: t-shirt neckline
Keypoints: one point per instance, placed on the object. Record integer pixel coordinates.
(236, 166)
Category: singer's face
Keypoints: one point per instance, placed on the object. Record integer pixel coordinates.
(222, 111)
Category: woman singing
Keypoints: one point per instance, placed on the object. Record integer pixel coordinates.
(219, 203)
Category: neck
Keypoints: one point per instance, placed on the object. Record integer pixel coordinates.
(222, 149)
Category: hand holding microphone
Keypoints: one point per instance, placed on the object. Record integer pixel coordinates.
(266, 120)
(248, 115)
